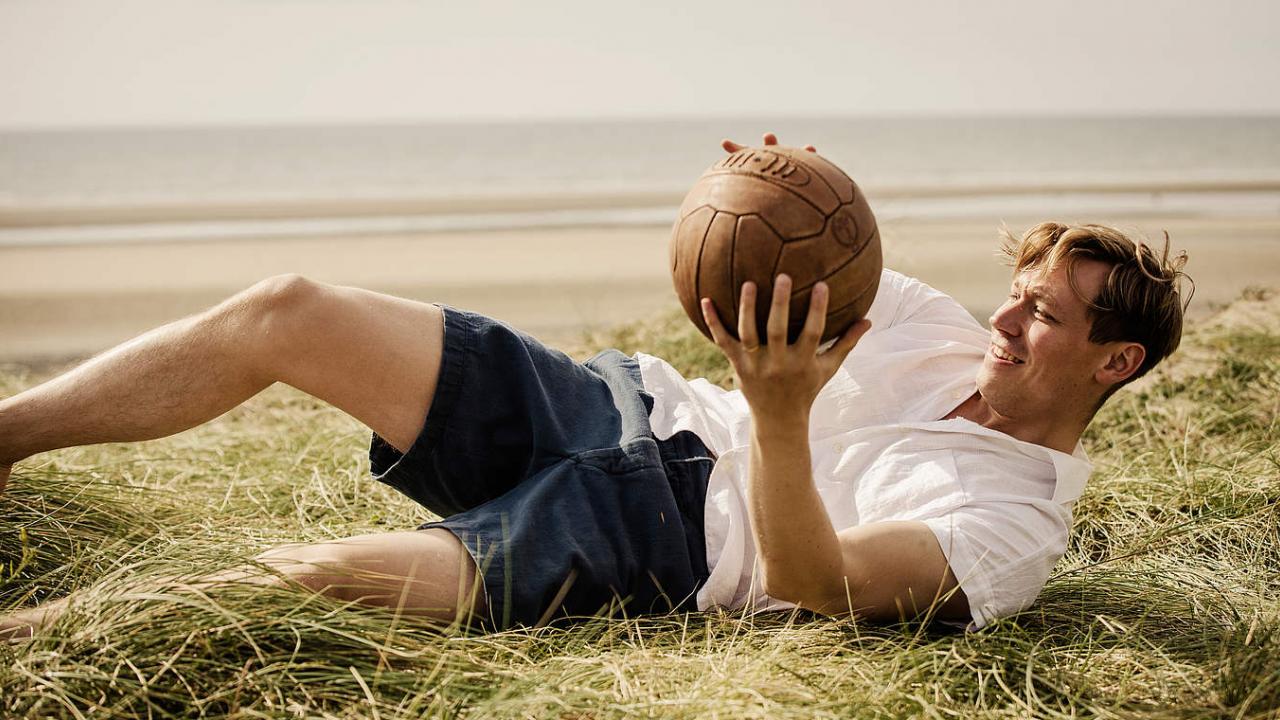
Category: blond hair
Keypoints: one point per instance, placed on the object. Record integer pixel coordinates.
(1141, 299)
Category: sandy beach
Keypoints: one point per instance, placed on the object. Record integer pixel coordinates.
(63, 302)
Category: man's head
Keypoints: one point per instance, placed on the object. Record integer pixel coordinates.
(1088, 311)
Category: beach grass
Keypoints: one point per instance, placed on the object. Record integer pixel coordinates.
(1167, 603)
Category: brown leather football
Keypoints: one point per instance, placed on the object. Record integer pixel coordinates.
(760, 212)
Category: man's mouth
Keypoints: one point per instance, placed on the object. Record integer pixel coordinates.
(1002, 355)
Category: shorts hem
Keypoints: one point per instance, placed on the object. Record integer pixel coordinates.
(385, 462)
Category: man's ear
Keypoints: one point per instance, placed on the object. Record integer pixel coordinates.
(1123, 360)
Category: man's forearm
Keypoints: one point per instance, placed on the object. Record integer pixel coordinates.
(799, 552)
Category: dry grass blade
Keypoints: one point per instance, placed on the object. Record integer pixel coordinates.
(1166, 605)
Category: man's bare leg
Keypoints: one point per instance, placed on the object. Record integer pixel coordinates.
(425, 573)
(375, 356)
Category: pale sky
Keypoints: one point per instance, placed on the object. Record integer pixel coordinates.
(155, 62)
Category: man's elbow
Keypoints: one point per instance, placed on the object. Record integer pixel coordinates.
(778, 587)
(842, 594)
(826, 595)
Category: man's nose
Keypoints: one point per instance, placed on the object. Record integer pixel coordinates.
(1005, 318)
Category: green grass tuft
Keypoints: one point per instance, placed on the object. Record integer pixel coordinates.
(1167, 603)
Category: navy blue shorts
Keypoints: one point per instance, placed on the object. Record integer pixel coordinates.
(548, 472)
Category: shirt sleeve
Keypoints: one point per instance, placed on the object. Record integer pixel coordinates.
(902, 300)
(917, 363)
(1002, 553)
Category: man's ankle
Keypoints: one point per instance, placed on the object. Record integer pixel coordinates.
(15, 632)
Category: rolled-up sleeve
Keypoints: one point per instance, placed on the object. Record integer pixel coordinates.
(1001, 552)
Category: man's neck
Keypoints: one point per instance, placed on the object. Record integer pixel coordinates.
(1057, 433)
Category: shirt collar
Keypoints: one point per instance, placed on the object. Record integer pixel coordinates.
(1072, 471)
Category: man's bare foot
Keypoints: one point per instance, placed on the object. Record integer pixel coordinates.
(25, 623)
(14, 631)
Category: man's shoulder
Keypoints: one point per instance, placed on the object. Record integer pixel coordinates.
(902, 299)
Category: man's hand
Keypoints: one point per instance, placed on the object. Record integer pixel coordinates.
(781, 381)
(799, 552)
(768, 138)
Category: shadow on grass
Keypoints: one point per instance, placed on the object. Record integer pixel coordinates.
(59, 530)
(164, 649)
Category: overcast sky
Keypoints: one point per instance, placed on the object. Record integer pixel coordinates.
(148, 62)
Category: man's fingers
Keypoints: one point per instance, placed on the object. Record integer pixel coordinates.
(779, 311)
(718, 334)
(768, 139)
(748, 333)
(816, 321)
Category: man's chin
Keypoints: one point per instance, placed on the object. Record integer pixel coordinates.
(987, 372)
(990, 384)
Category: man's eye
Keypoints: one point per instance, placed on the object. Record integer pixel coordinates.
(1041, 313)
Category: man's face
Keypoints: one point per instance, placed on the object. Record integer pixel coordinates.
(1040, 359)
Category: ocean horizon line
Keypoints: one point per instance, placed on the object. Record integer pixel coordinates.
(608, 119)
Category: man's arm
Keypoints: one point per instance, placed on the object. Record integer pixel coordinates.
(901, 573)
(885, 570)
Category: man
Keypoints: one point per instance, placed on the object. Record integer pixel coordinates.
(932, 469)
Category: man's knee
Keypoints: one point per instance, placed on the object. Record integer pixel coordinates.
(279, 294)
(270, 310)
(321, 569)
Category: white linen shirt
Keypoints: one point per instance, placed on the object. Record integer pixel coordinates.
(999, 507)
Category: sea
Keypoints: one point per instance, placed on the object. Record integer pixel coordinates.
(188, 184)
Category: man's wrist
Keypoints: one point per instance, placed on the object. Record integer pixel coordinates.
(781, 426)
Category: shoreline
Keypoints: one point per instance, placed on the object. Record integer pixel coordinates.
(64, 302)
(14, 215)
